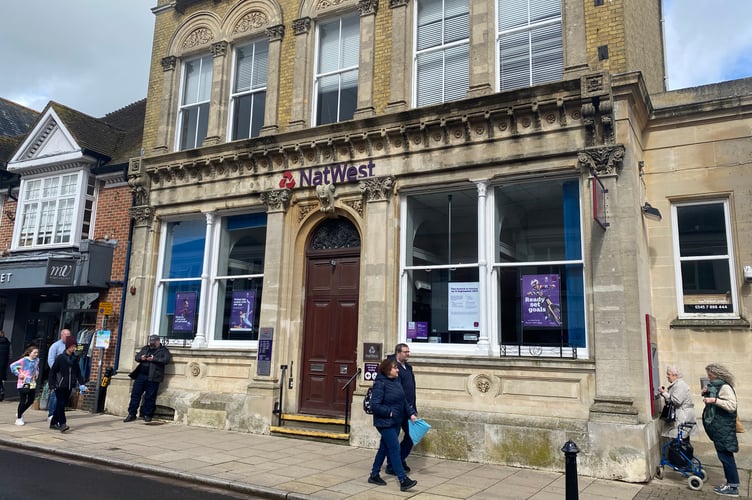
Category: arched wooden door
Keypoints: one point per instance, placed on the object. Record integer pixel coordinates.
(330, 330)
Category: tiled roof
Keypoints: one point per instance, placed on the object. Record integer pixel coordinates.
(15, 119)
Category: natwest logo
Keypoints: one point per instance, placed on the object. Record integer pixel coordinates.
(331, 174)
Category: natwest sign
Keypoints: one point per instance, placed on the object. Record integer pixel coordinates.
(60, 272)
(331, 174)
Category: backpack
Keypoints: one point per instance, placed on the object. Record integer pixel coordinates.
(367, 401)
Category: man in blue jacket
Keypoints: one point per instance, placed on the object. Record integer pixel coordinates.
(407, 379)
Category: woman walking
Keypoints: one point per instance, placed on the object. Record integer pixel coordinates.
(389, 407)
(27, 371)
(719, 420)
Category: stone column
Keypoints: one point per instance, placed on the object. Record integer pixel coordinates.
(218, 101)
(482, 54)
(575, 43)
(273, 70)
(367, 10)
(483, 347)
(167, 104)
(300, 107)
(401, 63)
(199, 341)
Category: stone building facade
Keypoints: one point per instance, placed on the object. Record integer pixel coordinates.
(322, 180)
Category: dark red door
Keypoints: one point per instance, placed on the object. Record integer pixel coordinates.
(330, 330)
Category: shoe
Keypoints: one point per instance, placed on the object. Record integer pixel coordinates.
(376, 480)
(129, 418)
(407, 483)
(726, 490)
(389, 470)
(55, 427)
(147, 419)
(64, 428)
(404, 466)
(19, 421)
(49, 418)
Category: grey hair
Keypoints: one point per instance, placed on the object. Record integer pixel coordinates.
(674, 370)
(721, 372)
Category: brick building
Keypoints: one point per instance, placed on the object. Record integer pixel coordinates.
(322, 180)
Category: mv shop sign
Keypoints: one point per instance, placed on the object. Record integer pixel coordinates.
(60, 272)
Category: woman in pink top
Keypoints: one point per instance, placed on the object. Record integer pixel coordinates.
(27, 371)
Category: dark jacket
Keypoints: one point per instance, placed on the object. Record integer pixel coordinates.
(4, 356)
(720, 424)
(156, 367)
(407, 379)
(388, 402)
(66, 372)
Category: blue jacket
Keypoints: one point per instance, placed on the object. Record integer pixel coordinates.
(389, 404)
(407, 379)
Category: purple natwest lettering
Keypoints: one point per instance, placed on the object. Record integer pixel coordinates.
(332, 174)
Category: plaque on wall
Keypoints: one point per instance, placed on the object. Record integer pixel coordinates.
(264, 355)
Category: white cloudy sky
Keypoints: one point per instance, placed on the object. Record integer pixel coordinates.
(93, 55)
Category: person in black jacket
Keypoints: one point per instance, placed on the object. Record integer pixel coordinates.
(148, 374)
(65, 374)
(407, 379)
(390, 407)
(4, 359)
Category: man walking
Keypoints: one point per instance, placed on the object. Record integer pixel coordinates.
(56, 349)
(148, 374)
(407, 379)
(4, 360)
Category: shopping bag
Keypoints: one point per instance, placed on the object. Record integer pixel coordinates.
(418, 429)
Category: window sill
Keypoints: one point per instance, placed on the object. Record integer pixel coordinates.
(710, 323)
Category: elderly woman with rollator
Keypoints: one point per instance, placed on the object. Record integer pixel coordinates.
(679, 394)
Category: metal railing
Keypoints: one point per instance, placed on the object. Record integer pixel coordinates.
(347, 399)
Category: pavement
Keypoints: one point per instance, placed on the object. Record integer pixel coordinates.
(263, 466)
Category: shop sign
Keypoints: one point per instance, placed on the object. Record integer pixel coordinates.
(60, 272)
(371, 352)
(331, 174)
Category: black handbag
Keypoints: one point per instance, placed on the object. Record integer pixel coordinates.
(669, 411)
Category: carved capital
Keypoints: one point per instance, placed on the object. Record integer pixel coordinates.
(301, 26)
(275, 33)
(603, 160)
(219, 49)
(393, 4)
(276, 199)
(377, 188)
(368, 7)
(142, 215)
(168, 63)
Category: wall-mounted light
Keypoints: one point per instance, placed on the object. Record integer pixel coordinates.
(651, 212)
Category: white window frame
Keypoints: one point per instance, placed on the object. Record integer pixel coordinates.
(252, 90)
(443, 47)
(527, 27)
(78, 197)
(679, 259)
(185, 106)
(317, 77)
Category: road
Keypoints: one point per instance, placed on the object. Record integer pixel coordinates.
(26, 476)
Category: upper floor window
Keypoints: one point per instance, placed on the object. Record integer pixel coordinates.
(705, 277)
(55, 210)
(249, 90)
(194, 103)
(336, 78)
(441, 51)
(530, 43)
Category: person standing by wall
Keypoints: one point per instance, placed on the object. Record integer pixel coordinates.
(390, 408)
(148, 374)
(56, 349)
(407, 379)
(678, 392)
(65, 374)
(719, 420)
(4, 359)
(27, 371)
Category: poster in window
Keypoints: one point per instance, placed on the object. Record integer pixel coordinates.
(464, 306)
(540, 300)
(241, 316)
(185, 312)
(417, 330)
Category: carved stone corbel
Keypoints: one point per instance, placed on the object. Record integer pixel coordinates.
(377, 188)
(141, 215)
(326, 193)
(276, 200)
(602, 160)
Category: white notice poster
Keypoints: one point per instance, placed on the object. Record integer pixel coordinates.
(464, 306)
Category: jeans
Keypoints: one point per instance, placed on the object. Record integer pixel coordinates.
(406, 445)
(729, 467)
(142, 387)
(389, 446)
(26, 399)
(51, 404)
(63, 395)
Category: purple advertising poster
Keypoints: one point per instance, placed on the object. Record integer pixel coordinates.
(241, 316)
(540, 300)
(185, 312)
(417, 330)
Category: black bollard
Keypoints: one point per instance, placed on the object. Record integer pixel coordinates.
(570, 471)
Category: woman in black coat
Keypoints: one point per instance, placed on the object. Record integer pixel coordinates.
(389, 407)
(65, 374)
